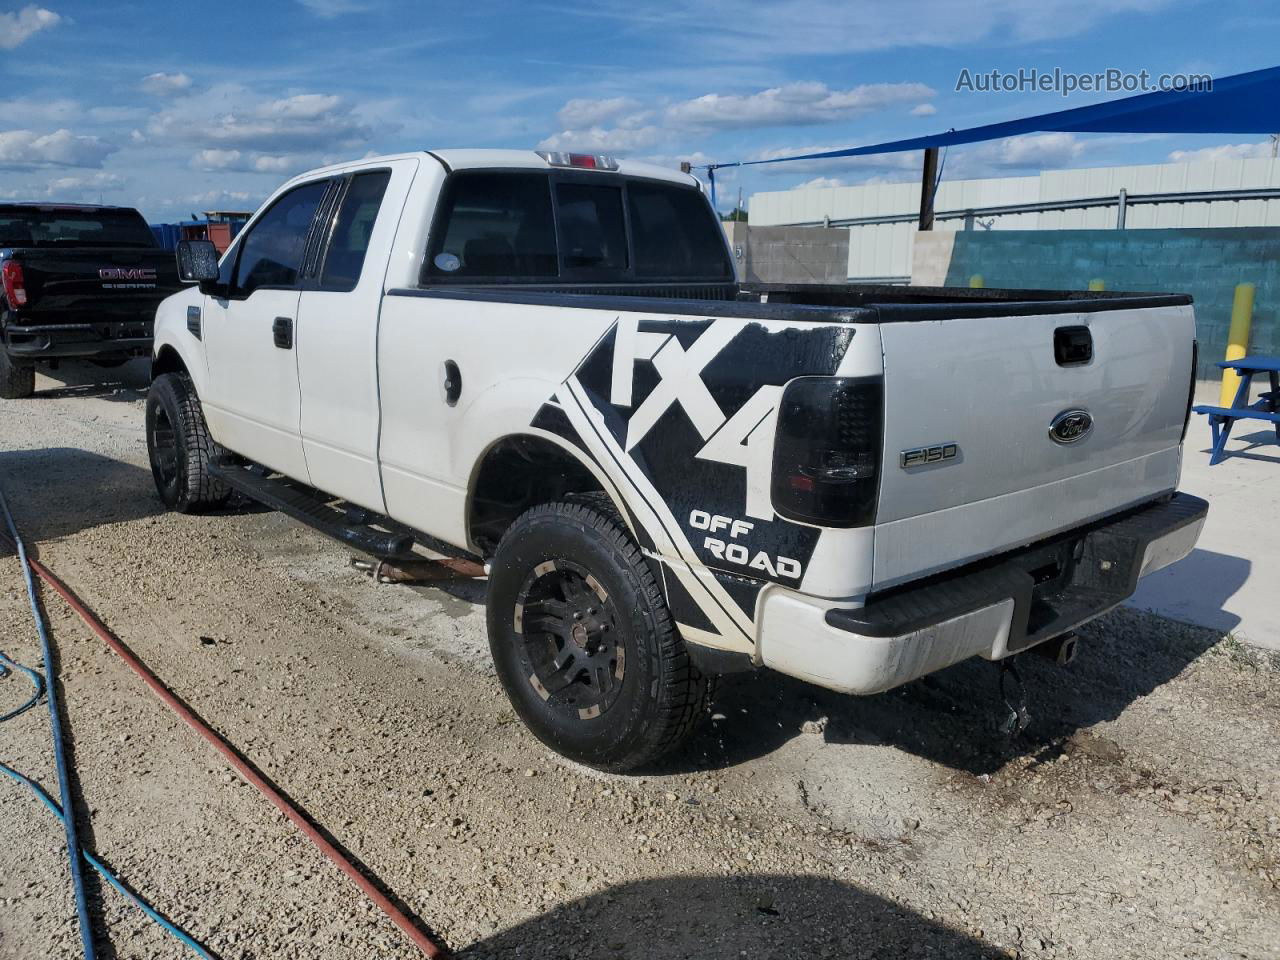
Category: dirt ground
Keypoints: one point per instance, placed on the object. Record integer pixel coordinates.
(1138, 817)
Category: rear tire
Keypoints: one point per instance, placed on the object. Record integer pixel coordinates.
(180, 447)
(583, 642)
(17, 380)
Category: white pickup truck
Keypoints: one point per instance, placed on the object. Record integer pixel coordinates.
(543, 361)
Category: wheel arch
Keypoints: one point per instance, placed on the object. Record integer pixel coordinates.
(522, 470)
(168, 360)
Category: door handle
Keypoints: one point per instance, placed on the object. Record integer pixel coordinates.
(282, 332)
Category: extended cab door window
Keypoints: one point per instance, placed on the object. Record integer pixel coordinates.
(494, 225)
(272, 251)
(359, 211)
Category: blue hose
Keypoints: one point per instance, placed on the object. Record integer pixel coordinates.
(59, 748)
(75, 851)
(106, 874)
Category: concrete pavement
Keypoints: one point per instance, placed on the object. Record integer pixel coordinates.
(1232, 579)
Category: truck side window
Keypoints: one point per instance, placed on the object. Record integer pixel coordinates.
(494, 225)
(593, 233)
(271, 252)
(350, 243)
(674, 235)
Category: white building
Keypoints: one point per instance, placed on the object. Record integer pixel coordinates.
(882, 251)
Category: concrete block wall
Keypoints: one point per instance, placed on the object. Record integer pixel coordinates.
(789, 254)
(1206, 263)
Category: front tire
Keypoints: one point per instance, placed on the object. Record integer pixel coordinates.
(17, 380)
(583, 642)
(180, 447)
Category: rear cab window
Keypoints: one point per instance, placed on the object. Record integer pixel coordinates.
(53, 226)
(534, 227)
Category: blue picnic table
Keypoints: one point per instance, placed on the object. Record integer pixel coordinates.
(1265, 407)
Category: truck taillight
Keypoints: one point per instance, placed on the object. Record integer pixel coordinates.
(15, 288)
(827, 450)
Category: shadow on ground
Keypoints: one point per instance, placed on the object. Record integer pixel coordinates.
(127, 382)
(764, 917)
(58, 491)
(1197, 589)
(953, 717)
(1261, 445)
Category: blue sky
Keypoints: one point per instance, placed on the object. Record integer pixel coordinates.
(179, 107)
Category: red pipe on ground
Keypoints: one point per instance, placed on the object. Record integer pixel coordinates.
(407, 924)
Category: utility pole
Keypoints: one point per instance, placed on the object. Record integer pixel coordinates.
(928, 181)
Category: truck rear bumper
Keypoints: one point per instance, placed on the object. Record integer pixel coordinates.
(994, 608)
(116, 338)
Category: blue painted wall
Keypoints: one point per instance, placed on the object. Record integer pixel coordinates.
(1205, 263)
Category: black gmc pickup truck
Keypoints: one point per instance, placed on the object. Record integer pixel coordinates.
(76, 282)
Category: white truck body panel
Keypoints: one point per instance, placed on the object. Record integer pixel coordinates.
(991, 386)
(251, 399)
(672, 405)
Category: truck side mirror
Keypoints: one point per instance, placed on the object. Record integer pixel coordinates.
(197, 261)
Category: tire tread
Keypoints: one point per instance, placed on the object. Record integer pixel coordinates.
(687, 693)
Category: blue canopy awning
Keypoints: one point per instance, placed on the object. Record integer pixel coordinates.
(1243, 103)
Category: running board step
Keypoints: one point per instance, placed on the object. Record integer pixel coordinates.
(309, 506)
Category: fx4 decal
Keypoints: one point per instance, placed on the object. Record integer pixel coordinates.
(743, 440)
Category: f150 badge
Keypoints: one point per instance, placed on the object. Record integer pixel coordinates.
(919, 456)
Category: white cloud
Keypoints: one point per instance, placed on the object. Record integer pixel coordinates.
(1225, 151)
(923, 110)
(83, 189)
(328, 9)
(599, 140)
(820, 183)
(306, 122)
(748, 29)
(214, 159)
(1034, 151)
(620, 125)
(165, 84)
(61, 111)
(903, 165)
(17, 28)
(62, 148)
(796, 104)
(214, 200)
(77, 187)
(266, 164)
(581, 114)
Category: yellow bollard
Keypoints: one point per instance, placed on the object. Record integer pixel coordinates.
(976, 281)
(1237, 340)
(1097, 284)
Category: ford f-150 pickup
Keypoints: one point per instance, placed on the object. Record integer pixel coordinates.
(76, 282)
(543, 361)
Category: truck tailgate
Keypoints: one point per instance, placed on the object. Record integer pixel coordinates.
(88, 284)
(992, 386)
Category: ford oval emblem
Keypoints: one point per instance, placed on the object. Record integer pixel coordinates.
(1070, 426)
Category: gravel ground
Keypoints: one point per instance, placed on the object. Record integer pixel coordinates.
(1138, 817)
